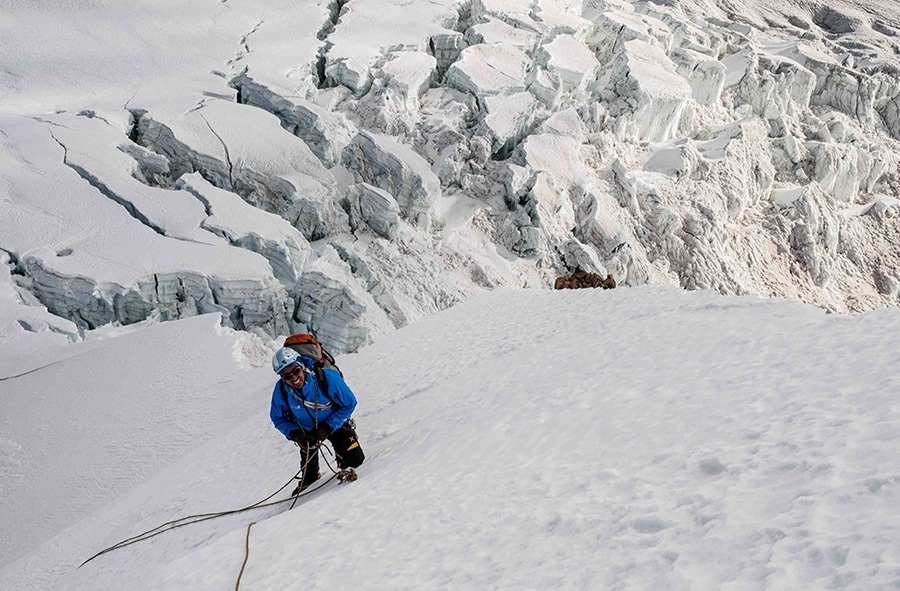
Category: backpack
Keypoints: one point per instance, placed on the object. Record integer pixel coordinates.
(307, 346)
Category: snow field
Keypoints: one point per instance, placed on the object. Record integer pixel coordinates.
(628, 439)
(103, 416)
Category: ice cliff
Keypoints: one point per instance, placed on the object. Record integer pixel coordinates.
(414, 154)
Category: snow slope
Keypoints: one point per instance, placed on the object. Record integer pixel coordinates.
(101, 417)
(628, 439)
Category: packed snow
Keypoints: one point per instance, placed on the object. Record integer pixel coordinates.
(626, 439)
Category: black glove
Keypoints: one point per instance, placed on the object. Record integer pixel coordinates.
(301, 437)
(322, 432)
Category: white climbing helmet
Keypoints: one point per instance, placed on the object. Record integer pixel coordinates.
(284, 358)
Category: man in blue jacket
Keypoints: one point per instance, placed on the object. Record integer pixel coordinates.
(308, 415)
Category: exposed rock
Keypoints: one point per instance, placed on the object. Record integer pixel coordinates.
(423, 152)
(583, 280)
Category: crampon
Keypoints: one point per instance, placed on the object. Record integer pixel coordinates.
(348, 475)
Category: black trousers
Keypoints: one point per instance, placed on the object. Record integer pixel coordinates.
(346, 450)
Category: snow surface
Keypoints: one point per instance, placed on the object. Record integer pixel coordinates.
(643, 438)
(101, 417)
(628, 439)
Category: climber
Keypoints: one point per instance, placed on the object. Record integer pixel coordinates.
(308, 414)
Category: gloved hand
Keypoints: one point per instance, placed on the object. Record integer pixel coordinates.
(301, 437)
(322, 432)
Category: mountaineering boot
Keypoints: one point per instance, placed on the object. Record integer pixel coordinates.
(303, 485)
(348, 475)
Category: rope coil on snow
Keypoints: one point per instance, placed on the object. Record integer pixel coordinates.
(191, 519)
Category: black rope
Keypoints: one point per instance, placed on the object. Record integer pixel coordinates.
(192, 519)
(3, 379)
(309, 457)
(247, 539)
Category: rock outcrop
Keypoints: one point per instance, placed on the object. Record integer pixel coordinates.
(583, 280)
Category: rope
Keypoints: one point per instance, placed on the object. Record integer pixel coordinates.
(327, 463)
(247, 540)
(309, 457)
(3, 379)
(191, 519)
(246, 556)
(303, 470)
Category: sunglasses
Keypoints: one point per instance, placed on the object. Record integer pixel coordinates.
(290, 375)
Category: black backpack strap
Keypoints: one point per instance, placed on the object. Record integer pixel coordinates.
(288, 413)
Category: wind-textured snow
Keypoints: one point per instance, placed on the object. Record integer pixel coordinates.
(627, 439)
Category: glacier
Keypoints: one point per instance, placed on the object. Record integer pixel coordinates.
(424, 154)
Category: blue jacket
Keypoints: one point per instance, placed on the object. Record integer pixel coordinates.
(310, 405)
